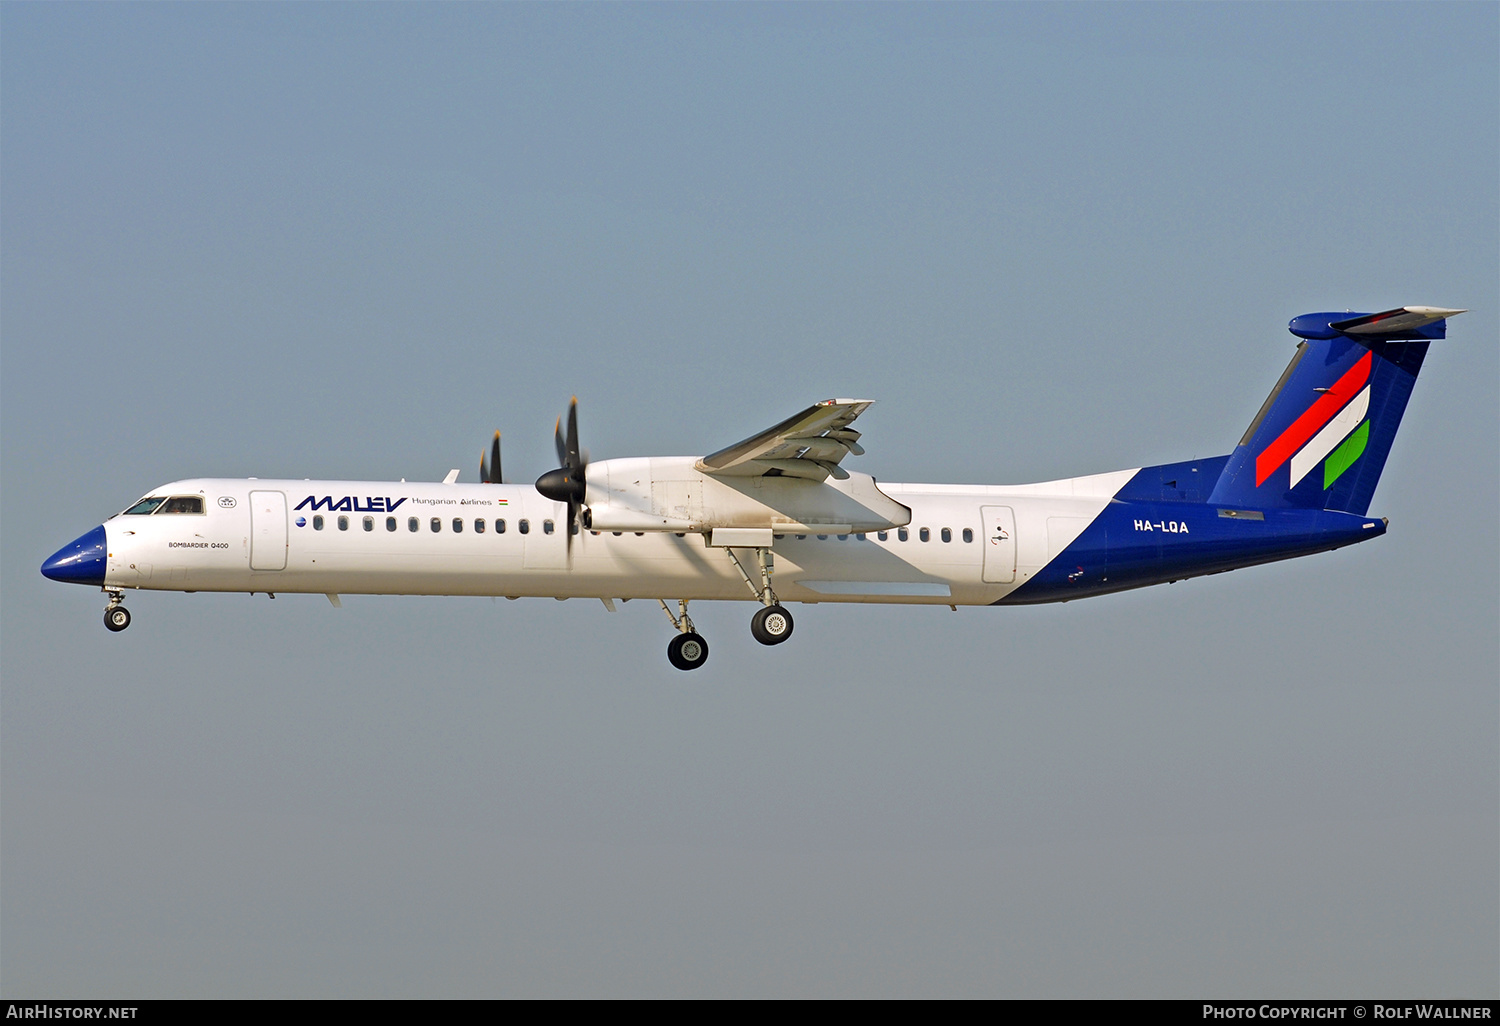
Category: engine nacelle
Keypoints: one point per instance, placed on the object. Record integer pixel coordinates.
(665, 493)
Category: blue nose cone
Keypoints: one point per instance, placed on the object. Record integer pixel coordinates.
(81, 561)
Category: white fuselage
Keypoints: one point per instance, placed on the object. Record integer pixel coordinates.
(411, 538)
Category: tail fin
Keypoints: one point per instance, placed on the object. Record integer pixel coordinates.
(1322, 436)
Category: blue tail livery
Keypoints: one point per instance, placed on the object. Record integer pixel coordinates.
(1300, 481)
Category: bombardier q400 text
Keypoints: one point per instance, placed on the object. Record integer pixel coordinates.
(777, 518)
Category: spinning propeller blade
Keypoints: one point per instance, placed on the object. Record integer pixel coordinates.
(568, 482)
(489, 471)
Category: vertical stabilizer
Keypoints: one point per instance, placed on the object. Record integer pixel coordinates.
(1322, 436)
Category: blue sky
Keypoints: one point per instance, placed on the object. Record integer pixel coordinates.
(350, 241)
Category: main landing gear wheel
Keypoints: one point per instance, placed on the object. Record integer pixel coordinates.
(687, 651)
(771, 625)
(117, 618)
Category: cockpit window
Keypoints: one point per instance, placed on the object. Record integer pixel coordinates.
(146, 506)
(183, 504)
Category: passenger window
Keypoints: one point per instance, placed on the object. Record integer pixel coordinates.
(184, 504)
(458, 525)
(413, 524)
(479, 525)
(843, 537)
(925, 534)
(860, 536)
(617, 533)
(902, 534)
(883, 536)
(437, 524)
(548, 526)
(968, 535)
(822, 537)
(317, 523)
(145, 506)
(523, 525)
(947, 535)
(499, 526)
(343, 523)
(390, 523)
(573, 527)
(369, 523)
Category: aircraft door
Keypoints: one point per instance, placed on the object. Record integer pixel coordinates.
(268, 531)
(999, 544)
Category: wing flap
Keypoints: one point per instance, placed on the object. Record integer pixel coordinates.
(808, 445)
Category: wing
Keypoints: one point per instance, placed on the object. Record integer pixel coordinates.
(809, 445)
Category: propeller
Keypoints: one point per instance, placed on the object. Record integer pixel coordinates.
(489, 472)
(567, 483)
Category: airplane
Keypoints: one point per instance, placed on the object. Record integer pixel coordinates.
(777, 518)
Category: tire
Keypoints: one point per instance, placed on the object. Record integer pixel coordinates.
(771, 625)
(687, 651)
(117, 618)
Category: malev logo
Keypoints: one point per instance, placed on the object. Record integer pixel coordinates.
(350, 503)
(1334, 427)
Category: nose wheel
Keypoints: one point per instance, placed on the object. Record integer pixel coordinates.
(117, 618)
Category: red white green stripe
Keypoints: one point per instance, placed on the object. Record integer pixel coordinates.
(1310, 426)
(1325, 441)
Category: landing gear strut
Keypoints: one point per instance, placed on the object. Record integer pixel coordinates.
(771, 624)
(688, 650)
(116, 616)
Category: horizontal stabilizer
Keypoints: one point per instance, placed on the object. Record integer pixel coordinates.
(1404, 322)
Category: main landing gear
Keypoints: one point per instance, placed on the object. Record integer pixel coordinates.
(116, 616)
(688, 650)
(771, 624)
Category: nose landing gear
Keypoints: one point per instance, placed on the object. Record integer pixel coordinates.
(116, 616)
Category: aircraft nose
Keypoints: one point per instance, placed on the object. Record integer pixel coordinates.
(81, 561)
